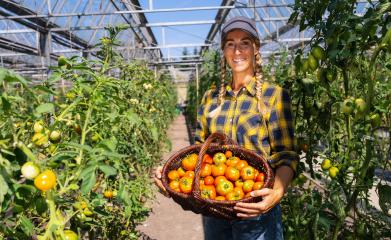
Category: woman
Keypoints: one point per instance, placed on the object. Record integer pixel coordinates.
(257, 115)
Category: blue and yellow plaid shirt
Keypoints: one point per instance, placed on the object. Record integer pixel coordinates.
(271, 135)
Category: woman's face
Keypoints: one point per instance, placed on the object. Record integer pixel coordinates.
(239, 51)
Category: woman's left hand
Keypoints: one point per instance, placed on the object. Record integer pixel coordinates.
(270, 198)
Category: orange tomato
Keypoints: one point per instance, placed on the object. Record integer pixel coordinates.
(173, 175)
(218, 170)
(209, 180)
(258, 185)
(256, 172)
(220, 198)
(207, 159)
(241, 164)
(208, 191)
(186, 184)
(260, 177)
(202, 182)
(181, 172)
(239, 183)
(219, 179)
(228, 154)
(174, 184)
(224, 187)
(247, 173)
(189, 174)
(189, 162)
(232, 161)
(46, 180)
(232, 173)
(236, 194)
(206, 170)
(248, 185)
(219, 158)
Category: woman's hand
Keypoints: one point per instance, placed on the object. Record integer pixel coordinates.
(158, 181)
(270, 198)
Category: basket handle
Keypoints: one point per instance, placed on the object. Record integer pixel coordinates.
(216, 136)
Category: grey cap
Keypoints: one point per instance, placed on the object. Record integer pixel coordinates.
(242, 23)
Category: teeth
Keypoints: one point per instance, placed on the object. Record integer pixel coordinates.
(238, 60)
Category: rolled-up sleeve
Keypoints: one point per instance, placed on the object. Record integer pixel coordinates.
(281, 132)
(201, 127)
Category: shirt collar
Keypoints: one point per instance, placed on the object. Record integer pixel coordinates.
(250, 87)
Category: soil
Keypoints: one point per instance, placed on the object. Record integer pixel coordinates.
(168, 221)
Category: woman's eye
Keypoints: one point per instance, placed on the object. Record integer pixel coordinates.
(229, 44)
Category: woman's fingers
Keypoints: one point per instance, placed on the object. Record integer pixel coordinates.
(158, 181)
(158, 172)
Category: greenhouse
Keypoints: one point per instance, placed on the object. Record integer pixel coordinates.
(152, 119)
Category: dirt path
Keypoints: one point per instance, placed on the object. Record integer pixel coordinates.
(168, 221)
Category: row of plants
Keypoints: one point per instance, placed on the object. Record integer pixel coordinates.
(340, 89)
(75, 162)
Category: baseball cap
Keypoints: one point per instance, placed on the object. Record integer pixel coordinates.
(242, 23)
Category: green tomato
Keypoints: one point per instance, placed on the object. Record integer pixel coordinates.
(38, 127)
(55, 136)
(30, 170)
(70, 235)
(305, 65)
(313, 62)
(326, 164)
(318, 53)
(347, 106)
(361, 105)
(375, 120)
(333, 172)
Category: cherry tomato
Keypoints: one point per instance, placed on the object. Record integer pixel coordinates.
(108, 194)
(46, 180)
(30, 170)
(70, 235)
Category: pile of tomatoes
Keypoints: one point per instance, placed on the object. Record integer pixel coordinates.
(222, 177)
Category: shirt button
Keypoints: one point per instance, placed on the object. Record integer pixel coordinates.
(232, 120)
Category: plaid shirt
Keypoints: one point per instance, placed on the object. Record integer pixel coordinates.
(239, 118)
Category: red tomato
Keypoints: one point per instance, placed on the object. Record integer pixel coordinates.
(209, 180)
(185, 184)
(260, 177)
(207, 159)
(218, 170)
(248, 185)
(189, 162)
(247, 173)
(232, 173)
(224, 187)
(208, 191)
(206, 170)
(241, 164)
(219, 158)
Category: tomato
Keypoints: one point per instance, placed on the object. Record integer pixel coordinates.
(40, 139)
(46, 180)
(174, 184)
(173, 175)
(260, 177)
(347, 106)
(95, 137)
(236, 194)
(189, 174)
(305, 65)
(202, 182)
(361, 105)
(208, 191)
(318, 53)
(241, 164)
(186, 184)
(326, 164)
(247, 173)
(239, 183)
(189, 162)
(219, 179)
(232, 173)
(228, 154)
(88, 212)
(55, 136)
(70, 235)
(232, 161)
(258, 185)
(209, 180)
(219, 158)
(206, 170)
(224, 187)
(330, 75)
(108, 194)
(181, 172)
(220, 198)
(375, 120)
(77, 128)
(207, 159)
(333, 172)
(313, 62)
(38, 127)
(30, 170)
(248, 185)
(218, 170)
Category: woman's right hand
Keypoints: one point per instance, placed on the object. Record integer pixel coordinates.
(158, 181)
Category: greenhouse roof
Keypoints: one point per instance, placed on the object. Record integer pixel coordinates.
(34, 33)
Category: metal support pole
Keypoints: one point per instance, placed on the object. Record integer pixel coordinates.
(197, 83)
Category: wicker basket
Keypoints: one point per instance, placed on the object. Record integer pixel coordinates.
(194, 201)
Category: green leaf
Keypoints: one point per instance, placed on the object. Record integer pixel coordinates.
(6, 104)
(108, 170)
(88, 182)
(27, 225)
(44, 108)
(3, 188)
(385, 198)
(155, 134)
